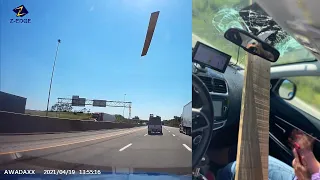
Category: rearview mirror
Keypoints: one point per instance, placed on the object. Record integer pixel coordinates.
(287, 89)
(252, 44)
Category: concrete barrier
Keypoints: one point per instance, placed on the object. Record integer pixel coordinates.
(22, 123)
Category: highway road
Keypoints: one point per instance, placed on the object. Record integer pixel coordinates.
(127, 151)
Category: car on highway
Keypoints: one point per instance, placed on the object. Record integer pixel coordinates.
(294, 78)
(154, 124)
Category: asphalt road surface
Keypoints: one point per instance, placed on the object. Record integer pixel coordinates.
(123, 150)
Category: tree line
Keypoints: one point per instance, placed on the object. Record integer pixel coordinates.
(66, 107)
(174, 122)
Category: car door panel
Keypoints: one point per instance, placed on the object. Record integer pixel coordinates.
(283, 119)
(278, 150)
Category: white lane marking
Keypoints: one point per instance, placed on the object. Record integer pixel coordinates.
(173, 135)
(70, 143)
(187, 147)
(125, 147)
(145, 134)
(168, 131)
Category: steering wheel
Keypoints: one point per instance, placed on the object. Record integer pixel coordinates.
(202, 121)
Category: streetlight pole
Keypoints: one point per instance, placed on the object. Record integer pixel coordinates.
(124, 105)
(54, 64)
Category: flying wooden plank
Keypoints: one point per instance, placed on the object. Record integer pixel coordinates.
(253, 139)
(152, 25)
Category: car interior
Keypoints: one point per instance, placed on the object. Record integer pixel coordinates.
(218, 84)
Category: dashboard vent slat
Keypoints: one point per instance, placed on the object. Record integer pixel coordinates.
(208, 82)
(214, 85)
(219, 86)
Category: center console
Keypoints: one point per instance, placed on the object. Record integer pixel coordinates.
(220, 104)
(210, 64)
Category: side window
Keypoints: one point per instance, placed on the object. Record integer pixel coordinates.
(307, 97)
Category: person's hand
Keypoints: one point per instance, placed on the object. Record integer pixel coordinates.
(300, 170)
(306, 143)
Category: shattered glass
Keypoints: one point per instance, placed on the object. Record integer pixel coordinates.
(258, 22)
(227, 18)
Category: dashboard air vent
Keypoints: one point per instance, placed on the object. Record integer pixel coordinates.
(219, 86)
(208, 82)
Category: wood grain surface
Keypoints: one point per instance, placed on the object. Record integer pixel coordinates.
(253, 139)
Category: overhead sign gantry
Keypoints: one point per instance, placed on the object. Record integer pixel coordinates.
(77, 101)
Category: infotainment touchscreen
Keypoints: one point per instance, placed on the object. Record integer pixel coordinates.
(210, 57)
(217, 108)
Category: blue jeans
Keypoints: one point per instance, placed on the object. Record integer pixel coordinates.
(277, 171)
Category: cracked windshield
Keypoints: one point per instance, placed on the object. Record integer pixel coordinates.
(211, 19)
(84, 90)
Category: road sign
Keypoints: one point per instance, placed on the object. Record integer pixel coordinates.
(99, 103)
(76, 101)
(82, 102)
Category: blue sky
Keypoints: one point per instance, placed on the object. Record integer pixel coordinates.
(99, 55)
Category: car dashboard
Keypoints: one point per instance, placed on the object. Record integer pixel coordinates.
(224, 91)
(227, 87)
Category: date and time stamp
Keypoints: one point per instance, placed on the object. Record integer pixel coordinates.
(52, 172)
